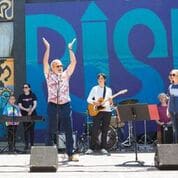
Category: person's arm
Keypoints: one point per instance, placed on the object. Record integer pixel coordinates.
(5, 112)
(110, 99)
(159, 123)
(167, 111)
(91, 97)
(46, 57)
(33, 108)
(73, 60)
(23, 108)
(168, 103)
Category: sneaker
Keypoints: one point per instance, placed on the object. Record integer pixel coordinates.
(103, 151)
(73, 157)
(89, 151)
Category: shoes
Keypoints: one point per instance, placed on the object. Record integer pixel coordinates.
(73, 157)
(89, 151)
(103, 151)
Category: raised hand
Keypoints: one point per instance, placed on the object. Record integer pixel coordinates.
(46, 43)
(70, 45)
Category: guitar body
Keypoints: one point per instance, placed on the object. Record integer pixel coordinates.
(93, 110)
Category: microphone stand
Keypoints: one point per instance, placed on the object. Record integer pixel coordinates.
(13, 129)
(140, 163)
(57, 112)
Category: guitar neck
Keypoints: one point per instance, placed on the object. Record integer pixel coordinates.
(116, 94)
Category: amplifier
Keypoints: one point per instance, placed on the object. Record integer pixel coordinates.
(62, 140)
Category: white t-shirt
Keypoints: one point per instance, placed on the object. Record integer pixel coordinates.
(96, 93)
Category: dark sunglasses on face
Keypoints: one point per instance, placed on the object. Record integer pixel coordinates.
(25, 87)
(58, 66)
(172, 75)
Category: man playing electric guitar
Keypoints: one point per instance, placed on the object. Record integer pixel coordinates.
(100, 98)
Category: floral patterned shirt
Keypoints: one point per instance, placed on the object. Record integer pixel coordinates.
(58, 87)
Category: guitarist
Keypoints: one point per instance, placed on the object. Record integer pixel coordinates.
(97, 95)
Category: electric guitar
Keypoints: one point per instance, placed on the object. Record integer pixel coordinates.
(93, 110)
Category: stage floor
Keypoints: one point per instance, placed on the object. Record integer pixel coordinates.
(89, 166)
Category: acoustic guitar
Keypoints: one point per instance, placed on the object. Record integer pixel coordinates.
(93, 110)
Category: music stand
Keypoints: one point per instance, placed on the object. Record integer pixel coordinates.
(129, 140)
(136, 112)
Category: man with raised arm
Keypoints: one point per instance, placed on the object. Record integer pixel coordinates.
(59, 107)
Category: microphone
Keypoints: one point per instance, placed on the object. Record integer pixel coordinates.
(60, 77)
(71, 44)
(133, 112)
(73, 41)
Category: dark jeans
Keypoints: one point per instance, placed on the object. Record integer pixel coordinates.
(100, 121)
(174, 117)
(62, 120)
(11, 131)
(29, 128)
(120, 133)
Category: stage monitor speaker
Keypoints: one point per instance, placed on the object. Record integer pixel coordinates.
(166, 157)
(44, 159)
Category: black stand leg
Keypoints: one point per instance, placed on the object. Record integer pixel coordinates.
(140, 163)
(84, 142)
(87, 132)
(6, 148)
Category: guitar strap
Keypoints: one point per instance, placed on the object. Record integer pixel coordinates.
(104, 92)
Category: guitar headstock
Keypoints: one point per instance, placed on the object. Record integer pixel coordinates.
(119, 93)
(123, 91)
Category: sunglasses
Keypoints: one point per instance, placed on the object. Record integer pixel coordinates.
(58, 66)
(25, 87)
(172, 75)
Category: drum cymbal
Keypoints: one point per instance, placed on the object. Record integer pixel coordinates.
(129, 101)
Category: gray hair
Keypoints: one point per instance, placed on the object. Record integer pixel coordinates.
(55, 61)
(162, 95)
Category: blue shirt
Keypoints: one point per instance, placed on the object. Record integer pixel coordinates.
(11, 110)
(173, 98)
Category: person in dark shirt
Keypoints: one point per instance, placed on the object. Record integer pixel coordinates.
(27, 102)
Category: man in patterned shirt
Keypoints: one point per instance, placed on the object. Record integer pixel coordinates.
(59, 108)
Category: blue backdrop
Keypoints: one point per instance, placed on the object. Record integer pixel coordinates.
(134, 42)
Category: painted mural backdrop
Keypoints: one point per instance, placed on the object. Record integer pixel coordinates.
(6, 58)
(134, 42)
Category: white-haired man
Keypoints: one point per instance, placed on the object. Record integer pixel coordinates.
(59, 108)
